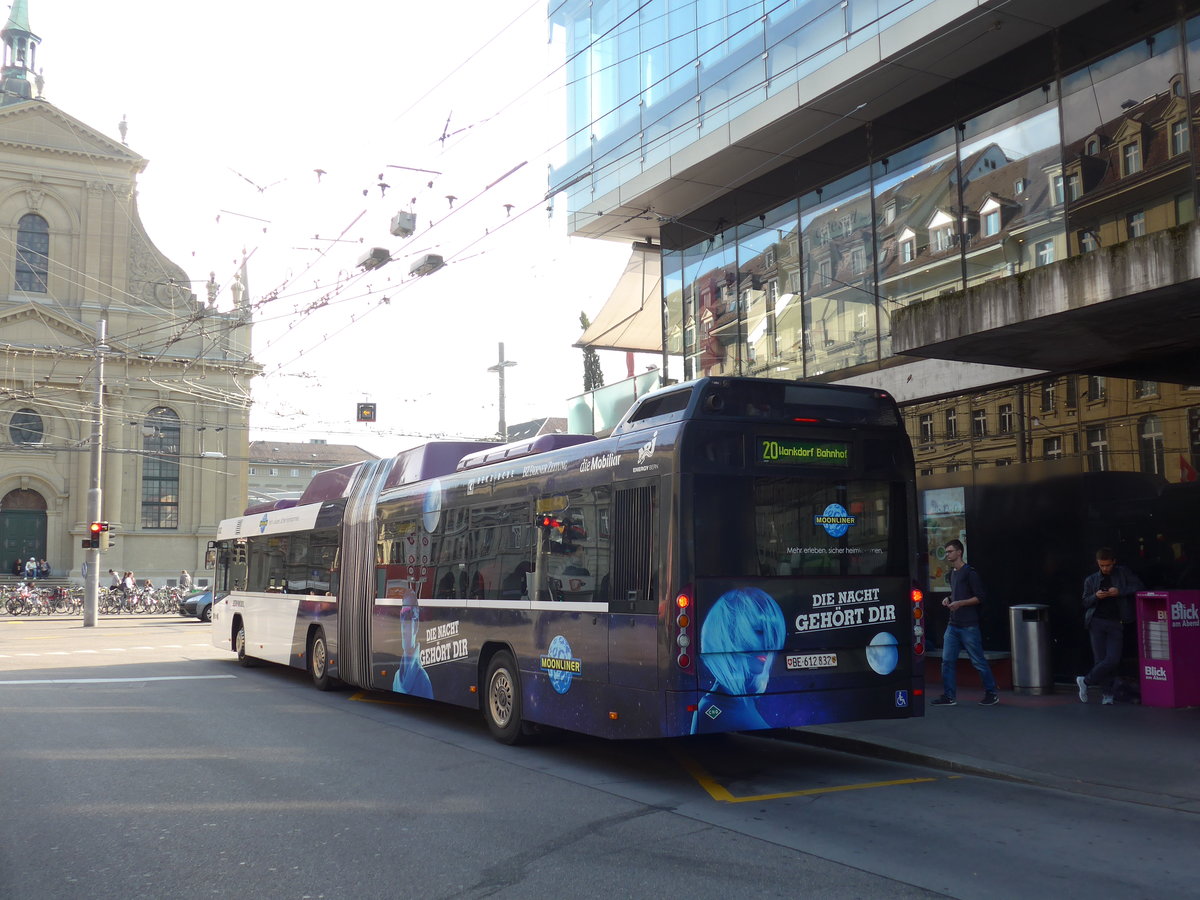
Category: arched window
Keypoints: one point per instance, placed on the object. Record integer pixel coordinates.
(33, 253)
(160, 469)
(1150, 434)
(25, 427)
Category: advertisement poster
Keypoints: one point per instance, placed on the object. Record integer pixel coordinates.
(944, 517)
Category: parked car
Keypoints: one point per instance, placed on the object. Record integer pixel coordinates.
(198, 605)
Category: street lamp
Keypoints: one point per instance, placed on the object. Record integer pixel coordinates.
(499, 369)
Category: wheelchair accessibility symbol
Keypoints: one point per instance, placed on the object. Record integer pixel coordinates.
(901, 699)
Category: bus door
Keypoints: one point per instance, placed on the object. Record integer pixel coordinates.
(635, 531)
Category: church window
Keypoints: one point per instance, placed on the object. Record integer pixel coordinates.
(160, 469)
(33, 253)
(26, 427)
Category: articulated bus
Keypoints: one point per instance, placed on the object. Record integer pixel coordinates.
(740, 554)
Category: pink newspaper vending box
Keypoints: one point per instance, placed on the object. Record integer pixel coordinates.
(1169, 647)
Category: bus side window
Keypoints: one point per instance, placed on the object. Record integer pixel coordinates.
(634, 556)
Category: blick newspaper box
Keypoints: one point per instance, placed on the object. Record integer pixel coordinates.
(1169, 647)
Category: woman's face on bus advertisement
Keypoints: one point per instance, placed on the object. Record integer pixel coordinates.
(410, 618)
(758, 671)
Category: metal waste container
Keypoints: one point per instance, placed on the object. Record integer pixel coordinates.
(1029, 625)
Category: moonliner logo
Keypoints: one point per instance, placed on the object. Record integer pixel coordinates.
(262, 524)
(604, 461)
(835, 520)
(647, 450)
(560, 664)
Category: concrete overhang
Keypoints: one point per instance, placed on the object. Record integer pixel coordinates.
(913, 58)
(1128, 311)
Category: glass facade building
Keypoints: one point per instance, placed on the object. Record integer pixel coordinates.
(787, 251)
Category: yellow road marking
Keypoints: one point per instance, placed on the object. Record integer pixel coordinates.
(722, 795)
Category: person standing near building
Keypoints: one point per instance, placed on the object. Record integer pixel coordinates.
(1108, 595)
(185, 581)
(962, 632)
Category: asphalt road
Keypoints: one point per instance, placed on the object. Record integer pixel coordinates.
(138, 761)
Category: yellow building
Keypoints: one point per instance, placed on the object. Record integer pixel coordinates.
(176, 371)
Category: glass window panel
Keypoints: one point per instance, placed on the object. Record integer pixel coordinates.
(33, 249)
(677, 335)
(681, 48)
(1012, 186)
(160, 469)
(844, 326)
(916, 195)
(668, 130)
(769, 262)
(26, 427)
(1152, 451)
(803, 37)
(1117, 115)
(1191, 92)
(654, 60)
(710, 277)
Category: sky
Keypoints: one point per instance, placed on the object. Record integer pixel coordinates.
(294, 133)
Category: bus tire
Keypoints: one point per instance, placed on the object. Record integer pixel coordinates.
(239, 646)
(318, 661)
(502, 699)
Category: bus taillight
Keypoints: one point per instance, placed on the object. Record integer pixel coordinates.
(683, 634)
(918, 619)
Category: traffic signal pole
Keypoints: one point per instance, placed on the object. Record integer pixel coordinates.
(91, 580)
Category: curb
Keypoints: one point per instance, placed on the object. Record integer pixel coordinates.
(964, 765)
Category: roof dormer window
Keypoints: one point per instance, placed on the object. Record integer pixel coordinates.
(1131, 157)
(1179, 137)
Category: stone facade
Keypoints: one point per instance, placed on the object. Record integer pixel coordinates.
(74, 253)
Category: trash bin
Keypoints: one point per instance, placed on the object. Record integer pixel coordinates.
(1029, 625)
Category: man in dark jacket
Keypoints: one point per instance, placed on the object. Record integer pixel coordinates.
(966, 596)
(1108, 596)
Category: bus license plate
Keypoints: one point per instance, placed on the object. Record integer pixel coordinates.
(812, 661)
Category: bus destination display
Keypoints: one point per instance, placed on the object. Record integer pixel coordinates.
(809, 453)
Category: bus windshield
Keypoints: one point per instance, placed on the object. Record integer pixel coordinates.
(790, 525)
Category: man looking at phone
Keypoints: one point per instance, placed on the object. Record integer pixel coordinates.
(1108, 596)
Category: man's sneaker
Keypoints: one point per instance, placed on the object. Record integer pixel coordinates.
(989, 699)
(1106, 700)
(943, 701)
(1082, 689)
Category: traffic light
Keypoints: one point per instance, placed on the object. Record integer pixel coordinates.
(366, 412)
(99, 535)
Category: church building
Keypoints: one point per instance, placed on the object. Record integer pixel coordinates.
(89, 309)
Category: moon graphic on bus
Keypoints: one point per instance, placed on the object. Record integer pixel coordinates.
(883, 654)
(431, 511)
(835, 519)
(560, 678)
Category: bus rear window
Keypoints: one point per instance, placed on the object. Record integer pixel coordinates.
(791, 526)
(815, 404)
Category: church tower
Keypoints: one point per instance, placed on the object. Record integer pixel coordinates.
(20, 56)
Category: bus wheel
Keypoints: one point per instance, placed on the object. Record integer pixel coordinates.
(502, 699)
(239, 645)
(318, 661)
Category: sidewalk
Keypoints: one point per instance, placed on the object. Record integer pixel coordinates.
(1127, 752)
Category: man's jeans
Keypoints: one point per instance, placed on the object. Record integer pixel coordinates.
(1107, 636)
(968, 639)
